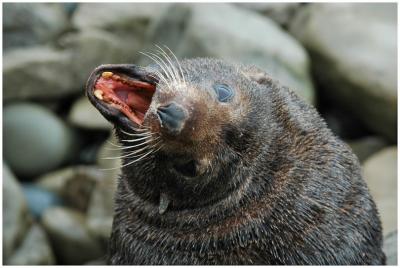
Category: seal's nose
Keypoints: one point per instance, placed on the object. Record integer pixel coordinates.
(172, 117)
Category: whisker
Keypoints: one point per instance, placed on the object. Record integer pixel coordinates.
(141, 157)
(129, 154)
(135, 140)
(159, 64)
(137, 134)
(168, 58)
(136, 160)
(166, 66)
(179, 65)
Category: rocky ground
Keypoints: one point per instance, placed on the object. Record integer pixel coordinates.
(57, 202)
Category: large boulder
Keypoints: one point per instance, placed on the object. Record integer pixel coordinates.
(282, 13)
(38, 72)
(34, 250)
(380, 173)
(90, 48)
(35, 139)
(234, 34)
(74, 184)
(124, 17)
(39, 199)
(101, 207)
(83, 114)
(26, 24)
(69, 236)
(390, 248)
(16, 219)
(367, 146)
(353, 48)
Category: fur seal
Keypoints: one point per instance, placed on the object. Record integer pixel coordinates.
(222, 165)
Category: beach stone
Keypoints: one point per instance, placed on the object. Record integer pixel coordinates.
(74, 184)
(27, 24)
(390, 248)
(38, 73)
(380, 173)
(16, 218)
(281, 13)
(367, 146)
(69, 236)
(234, 34)
(92, 47)
(83, 114)
(34, 250)
(353, 47)
(39, 199)
(45, 140)
(125, 17)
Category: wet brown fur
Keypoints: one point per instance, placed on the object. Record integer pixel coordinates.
(277, 186)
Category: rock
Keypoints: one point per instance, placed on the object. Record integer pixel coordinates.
(101, 207)
(39, 199)
(127, 17)
(380, 173)
(35, 249)
(38, 72)
(35, 140)
(234, 34)
(16, 219)
(27, 24)
(390, 248)
(74, 184)
(367, 146)
(69, 236)
(55, 181)
(281, 13)
(84, 115)
(353, 48)
(108, 154)
(91, 48)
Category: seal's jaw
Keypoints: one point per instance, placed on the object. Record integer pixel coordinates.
(122, 93)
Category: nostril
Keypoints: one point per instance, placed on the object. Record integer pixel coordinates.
(172, 117)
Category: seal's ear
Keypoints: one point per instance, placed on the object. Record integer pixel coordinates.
(255, 74)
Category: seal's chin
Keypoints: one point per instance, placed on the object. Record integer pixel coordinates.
(119, 91)
(187, 169)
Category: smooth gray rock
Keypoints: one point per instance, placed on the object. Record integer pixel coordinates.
(39, 199)
(132, 17)
(69, 236)
(16, 219)
(281, 13)
(390, 248)
(380, 173)
(101, 206)
(83, 114)
(367, 146)
(74, 184)
(234, 34)
(91, 47)
(353, 47)
(35, 249)
(35, 140)
(26, 24)
(38, 72)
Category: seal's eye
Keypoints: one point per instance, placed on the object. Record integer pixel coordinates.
(224, 92)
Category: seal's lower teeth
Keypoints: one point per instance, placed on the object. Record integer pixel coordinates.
(99, 94)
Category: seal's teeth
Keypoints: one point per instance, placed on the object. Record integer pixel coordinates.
(106, 74)
(99, 94)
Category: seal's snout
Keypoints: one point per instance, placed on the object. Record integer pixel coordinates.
(172, 117)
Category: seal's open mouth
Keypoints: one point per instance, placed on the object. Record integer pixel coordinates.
(122, 87)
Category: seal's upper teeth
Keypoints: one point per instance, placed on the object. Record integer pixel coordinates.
(106, 74)
(99, 94)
